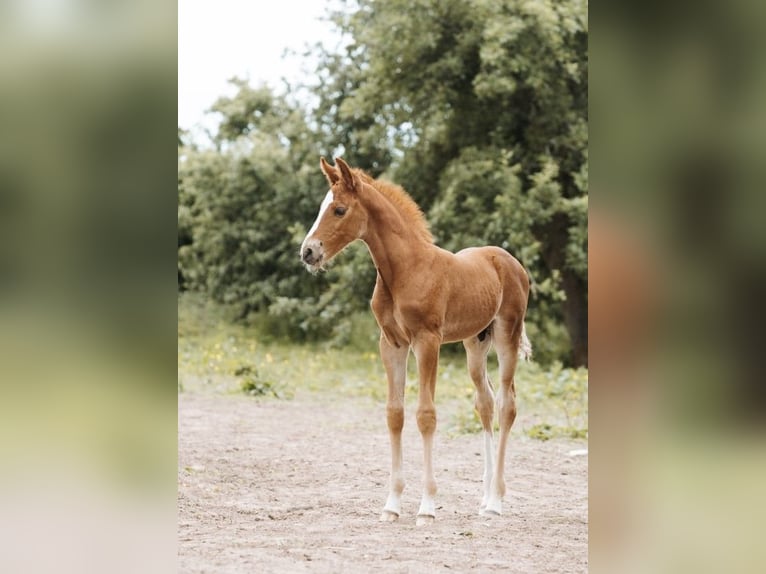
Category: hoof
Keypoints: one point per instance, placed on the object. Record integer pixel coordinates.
(388, 516)
(494, 508)
(424, 520)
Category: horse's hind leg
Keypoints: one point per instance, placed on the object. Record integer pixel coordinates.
(476, 351)
(507, 336)
(395, 362)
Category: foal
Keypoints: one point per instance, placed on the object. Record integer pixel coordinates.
(425, 296)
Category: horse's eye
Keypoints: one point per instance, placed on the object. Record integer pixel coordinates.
(340, 211)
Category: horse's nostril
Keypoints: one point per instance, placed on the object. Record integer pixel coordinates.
(307, 254)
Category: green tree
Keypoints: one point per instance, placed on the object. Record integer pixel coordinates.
(244, 207)
(481, 106)
(239, 204)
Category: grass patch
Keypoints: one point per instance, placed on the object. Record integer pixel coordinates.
(254, 384)
(217, 355)
(545, 431)
(551, 402)
(466, 422)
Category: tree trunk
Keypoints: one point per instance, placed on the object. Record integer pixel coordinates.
(575, 309)
(554, 236)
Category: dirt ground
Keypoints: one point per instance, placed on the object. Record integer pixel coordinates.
(298, 485)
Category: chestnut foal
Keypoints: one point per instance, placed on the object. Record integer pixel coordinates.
(425, 296)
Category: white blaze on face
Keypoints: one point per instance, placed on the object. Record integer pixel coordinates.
(322, 208)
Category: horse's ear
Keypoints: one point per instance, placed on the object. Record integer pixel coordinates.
(329, 171)
(349, 179)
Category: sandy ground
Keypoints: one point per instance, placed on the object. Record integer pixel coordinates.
(297, 486)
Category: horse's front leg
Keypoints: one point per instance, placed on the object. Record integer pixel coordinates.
(395, 362)
(426, 350)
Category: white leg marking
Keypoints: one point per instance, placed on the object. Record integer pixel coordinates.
(494, 505)
(427, 510)
(489, 468)
(393, 507)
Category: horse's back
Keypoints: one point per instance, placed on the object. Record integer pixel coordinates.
(512, 276)
(505, 264)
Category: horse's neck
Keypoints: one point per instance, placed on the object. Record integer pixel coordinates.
(392, 243)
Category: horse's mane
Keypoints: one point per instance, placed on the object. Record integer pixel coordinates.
(403, 203)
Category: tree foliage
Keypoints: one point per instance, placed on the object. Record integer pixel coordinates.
(241, 205)
(487, 101)
(243, 209)
(478, 108)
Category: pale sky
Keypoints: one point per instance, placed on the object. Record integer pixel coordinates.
(218, 39)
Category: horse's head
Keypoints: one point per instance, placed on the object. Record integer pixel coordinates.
(341, 219)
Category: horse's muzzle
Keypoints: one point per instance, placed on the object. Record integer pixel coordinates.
(312, 252)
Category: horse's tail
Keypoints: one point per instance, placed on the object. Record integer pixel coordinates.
(525, 347)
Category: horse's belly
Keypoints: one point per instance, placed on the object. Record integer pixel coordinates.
(465, 330)
(467, 322)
